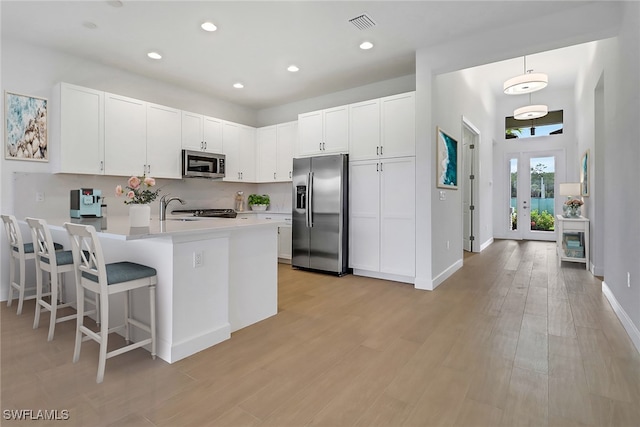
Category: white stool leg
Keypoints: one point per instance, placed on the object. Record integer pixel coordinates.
(12, 278)
(104, 334)
(127, 315)
(36, 319)
(54, 305)
(79, 322)
(152, 313)
(22, 286)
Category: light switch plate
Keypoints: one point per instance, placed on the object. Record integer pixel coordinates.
(443, 195)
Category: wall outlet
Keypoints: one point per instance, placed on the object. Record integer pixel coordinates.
(198, 259)
(39, 197)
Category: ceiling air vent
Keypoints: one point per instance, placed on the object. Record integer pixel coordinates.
(363, 22)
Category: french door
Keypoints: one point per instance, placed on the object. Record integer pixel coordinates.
(534, 178)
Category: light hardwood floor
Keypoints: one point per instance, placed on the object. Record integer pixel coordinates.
(511, 339)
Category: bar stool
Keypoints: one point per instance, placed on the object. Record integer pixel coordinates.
(55, 264)
(106, 279)
(20, 252)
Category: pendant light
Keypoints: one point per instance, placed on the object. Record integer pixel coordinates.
(525, 83)
(530, 111)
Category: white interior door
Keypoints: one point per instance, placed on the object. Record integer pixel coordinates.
(469, 143)
(534, 178)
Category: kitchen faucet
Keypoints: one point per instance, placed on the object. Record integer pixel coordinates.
(164, 202)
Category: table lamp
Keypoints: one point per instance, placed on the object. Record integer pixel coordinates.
(571, 207)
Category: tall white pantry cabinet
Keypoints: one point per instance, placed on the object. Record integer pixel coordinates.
(382, 188)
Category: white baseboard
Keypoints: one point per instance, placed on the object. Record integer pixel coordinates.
(384, 276)
(437, 281)
(486, 244)
(192, 345)
(626, 321)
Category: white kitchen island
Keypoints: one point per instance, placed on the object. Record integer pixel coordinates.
(215, 275)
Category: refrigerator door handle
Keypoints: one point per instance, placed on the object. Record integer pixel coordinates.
(310, 200)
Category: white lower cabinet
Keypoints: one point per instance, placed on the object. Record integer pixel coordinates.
(382, 218)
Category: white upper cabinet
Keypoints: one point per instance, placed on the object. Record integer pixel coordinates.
(81, 126)
(239, 148)
(398, 125)
(164, 126)
(275, 152)
(323, 132)
(382, 128)
(201, 133)
(364, 130)
(287, 137)
(267, 146)
(125, 136)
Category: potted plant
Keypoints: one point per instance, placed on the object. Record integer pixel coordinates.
(258, 202)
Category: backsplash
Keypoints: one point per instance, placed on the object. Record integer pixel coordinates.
(197, 193)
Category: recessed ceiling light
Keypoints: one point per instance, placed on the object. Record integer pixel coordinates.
(154, 55)
(208, 26)
(238, 85)
(89, 25)
(366, 45)
(115, 3)
(293, 68)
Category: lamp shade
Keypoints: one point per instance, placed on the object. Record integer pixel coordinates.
(570, 189)
(525, 83)
(529, 112)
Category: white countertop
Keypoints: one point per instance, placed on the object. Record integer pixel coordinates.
(117, 227)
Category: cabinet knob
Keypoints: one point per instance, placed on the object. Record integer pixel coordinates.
(274, 175)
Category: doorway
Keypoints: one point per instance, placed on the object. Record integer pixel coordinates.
(532, 203)
(470, 141)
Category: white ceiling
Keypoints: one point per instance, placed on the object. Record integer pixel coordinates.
(257, 40)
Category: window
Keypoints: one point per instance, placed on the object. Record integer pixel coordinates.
(551, 124)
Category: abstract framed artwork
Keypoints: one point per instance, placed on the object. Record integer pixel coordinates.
(584, 173)
(447, 160)
(25, 127)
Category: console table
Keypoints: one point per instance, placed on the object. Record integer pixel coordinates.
(572, 239)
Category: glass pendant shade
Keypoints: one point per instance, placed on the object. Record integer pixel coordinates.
(530, 112)
(525, 83)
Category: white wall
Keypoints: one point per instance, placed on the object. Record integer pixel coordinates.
(618, 61)
(566, 142)
(456, 95)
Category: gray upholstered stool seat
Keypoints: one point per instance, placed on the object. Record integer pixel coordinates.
(124, 271)
(28, 247)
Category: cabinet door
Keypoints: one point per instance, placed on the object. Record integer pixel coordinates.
(397, 216)
(364, 130)
(310, 128)
(231, 149)
(284, 242)
(364, 215)
(81, 130)
(287, 135)
(212, 134)
(336, 130)
(192, 138)
(125, 136)
(267, 146)
(398, 125)
(163, 141)
(247, 153)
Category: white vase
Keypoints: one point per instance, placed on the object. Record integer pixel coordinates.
(139, 215)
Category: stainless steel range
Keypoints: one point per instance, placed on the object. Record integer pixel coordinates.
(209, 213)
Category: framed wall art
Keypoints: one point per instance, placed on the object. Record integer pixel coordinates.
(447, 160)
(25, 127)
(584, 173)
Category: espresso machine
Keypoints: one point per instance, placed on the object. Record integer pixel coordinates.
(85, 203)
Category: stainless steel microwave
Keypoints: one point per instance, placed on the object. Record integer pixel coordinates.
(200, 164)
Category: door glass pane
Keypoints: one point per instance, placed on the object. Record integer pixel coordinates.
(542, 194)
(513, 197)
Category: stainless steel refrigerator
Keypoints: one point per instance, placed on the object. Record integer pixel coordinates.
(320, 202)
